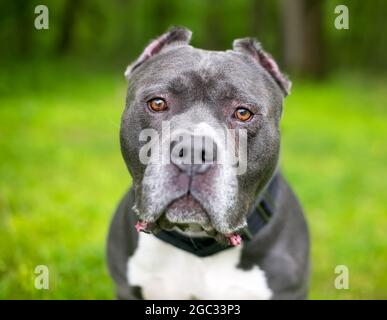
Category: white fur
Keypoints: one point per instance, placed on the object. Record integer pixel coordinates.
(166, 272)
(225, 184)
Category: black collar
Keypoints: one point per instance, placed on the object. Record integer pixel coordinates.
(206, 246)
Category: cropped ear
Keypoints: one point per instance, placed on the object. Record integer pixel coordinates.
(175, 36)
(253, 48)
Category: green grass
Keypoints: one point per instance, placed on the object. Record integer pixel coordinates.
(61, 176)
(334, 154)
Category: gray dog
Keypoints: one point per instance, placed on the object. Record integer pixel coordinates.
(204, 230)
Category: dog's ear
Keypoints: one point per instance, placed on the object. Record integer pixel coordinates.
(253, 48)
(175, 36)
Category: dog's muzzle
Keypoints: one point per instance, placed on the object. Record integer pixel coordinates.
(194, 161)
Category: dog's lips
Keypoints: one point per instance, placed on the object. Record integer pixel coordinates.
(187, 210)
(187, 214)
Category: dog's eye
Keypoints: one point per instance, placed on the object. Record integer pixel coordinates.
(243, 114)
(157, 104)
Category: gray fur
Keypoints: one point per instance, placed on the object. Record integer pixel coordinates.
(203, 85)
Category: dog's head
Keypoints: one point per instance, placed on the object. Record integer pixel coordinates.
(200, 132)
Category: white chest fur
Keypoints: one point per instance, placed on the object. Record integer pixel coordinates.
(166, 272)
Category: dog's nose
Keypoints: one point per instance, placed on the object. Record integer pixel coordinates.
(193, 154)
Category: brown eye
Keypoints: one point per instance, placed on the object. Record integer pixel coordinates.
(243, 114)
(157, 104)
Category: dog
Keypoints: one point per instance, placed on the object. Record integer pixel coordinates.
(216, 229)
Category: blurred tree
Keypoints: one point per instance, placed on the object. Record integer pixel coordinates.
(266, 25)
(65, 38)
(22, 11)
(303, 36)
(161, 13)
(257, 15)
(301, 31)
(214, 25)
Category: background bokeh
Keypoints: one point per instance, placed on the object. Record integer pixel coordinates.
(62, 91)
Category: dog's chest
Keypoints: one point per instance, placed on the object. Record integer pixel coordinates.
(166, 272)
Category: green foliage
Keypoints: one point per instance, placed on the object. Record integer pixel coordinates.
(117, 30)
(334, 138)
(363, 46)
(62, 175)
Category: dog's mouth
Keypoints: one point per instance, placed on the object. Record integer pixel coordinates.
(187, 215)
(187, 210)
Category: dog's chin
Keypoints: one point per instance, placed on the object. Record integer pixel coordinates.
(186, 214)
